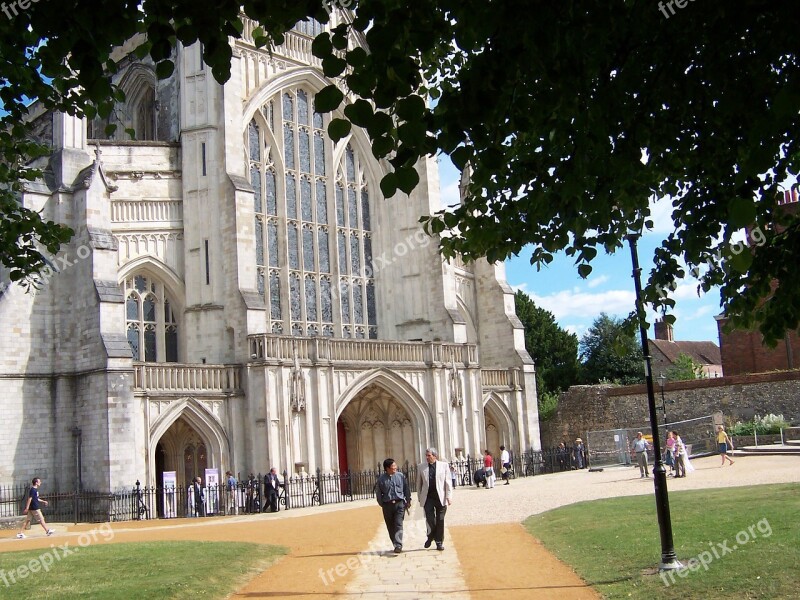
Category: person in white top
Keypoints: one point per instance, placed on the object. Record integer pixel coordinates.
(505, 461)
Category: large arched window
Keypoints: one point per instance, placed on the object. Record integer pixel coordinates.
(151, 323)
(313, 231)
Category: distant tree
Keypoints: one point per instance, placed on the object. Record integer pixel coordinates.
(554, 349)
(684, 368)
(610, 352)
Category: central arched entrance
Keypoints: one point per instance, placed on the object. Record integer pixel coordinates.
(372, 427)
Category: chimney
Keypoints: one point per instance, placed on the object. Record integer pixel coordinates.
(663, 330)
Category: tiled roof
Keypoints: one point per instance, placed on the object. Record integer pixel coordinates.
(703, 353)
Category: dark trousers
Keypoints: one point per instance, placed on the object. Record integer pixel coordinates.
(393, 515)
(434, 516)
(272, 497)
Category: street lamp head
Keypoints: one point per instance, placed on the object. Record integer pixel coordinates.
(662, 380)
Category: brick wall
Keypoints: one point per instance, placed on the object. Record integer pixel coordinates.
(738, 398)
(744, 352)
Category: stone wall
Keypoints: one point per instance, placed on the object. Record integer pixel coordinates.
(600, 407)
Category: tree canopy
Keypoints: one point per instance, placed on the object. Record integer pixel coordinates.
(611, 353)
(553, 348)
(572, 117)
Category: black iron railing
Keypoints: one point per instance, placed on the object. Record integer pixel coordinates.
(251, 494)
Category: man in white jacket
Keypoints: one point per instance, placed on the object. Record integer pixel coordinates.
(435, 494)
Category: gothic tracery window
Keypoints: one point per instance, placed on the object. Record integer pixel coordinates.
(314, 273)
(152, 328)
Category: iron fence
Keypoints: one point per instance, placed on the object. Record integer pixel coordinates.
(77, 507)
(251, 495)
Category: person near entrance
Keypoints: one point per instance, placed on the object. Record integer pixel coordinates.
(505, 464)
(272, 486)
(198, 497)
(394, 496)
(435, 495)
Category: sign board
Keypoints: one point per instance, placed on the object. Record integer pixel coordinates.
(170, 482)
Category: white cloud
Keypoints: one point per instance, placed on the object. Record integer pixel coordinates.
(596, 281)
(574, 303)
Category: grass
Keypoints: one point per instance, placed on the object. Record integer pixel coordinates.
(137, 570)
(614, 544)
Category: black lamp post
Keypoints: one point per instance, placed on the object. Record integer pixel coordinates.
(669, 560)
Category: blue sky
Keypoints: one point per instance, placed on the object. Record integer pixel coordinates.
(577, 302)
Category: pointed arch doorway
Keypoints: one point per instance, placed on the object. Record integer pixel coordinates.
(373, 426)
(184, 450)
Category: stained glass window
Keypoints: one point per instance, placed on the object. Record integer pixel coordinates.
(294, 250)
(311, 298)
(306, 205)
(322, 202)
(295, 303)
(291, 196)
(272, 204)
(308, 248)
(152, 329)
(275, 295)
(302, 107)
(255, 149)
(259, 242)
(324, 255)
(292, 191)
(255, 181)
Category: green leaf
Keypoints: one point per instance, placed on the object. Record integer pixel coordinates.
(382, 146)
(407, 179)
(389, 185)
(338, 129)
(584, 270)
(356, 57)
(321, 46)
(359, 113)
(741, 212)
(333, 66)
(410, 109)
(328, 99)
(164, 69)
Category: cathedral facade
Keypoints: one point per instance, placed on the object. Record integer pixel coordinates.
(238, 294)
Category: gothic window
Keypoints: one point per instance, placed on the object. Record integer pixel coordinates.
(145, 116)
(312, 221)
(152, 328)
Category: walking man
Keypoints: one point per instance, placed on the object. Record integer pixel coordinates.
(505, 463)
(640, 449)
(394, 496)
(33, 509)
(435, 494)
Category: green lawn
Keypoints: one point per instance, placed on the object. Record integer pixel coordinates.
(744, 541)
(137, 570)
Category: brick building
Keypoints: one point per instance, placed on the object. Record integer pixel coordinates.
(664, 350)
(744, 351)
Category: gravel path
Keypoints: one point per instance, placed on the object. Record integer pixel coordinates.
(533, 495)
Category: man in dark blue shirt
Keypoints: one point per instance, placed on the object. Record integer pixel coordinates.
(394, 496)
(32, 509)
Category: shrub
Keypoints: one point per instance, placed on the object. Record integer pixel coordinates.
(765, 425)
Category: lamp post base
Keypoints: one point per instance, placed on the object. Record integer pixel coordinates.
(669, 564)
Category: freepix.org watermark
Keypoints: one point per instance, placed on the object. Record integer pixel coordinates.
(671, 4)
(11, 9)
(47, 560)
(718, 550)
(41, 278)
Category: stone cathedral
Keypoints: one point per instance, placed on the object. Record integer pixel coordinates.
(238, 294)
